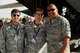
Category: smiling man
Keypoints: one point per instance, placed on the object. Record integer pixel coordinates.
(13, 34)
(35, 33)
(58, 31)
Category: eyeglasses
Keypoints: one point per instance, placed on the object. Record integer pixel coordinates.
(50, 10)
(16, 15)
(39, 14)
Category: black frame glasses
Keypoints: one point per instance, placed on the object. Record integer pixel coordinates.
(39, 14)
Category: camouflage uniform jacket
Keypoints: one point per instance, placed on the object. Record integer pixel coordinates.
(56, 30)
(14, 38)
(1, 42)
(35, 38)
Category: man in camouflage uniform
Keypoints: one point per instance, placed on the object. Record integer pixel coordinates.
(35, 32)
(13, 34)
(58, 31)
(1, 37)
(1, 42)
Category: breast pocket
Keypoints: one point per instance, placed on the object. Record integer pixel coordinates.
(10, 34)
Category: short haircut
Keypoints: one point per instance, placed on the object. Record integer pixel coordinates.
(38, 9)
(52, 5)
(15, 11)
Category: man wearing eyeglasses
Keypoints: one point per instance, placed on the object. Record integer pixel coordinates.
(58, 31)
(35, 33)
(13, 33)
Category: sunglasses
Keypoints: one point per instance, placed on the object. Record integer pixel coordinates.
(50, 10)
(16, 15)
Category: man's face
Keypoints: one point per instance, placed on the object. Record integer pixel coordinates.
(15, 17)
(38, 15)
(52, 11)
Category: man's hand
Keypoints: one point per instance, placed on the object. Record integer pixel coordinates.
(76, 44)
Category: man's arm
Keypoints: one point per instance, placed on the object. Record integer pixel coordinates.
(2, 40)
(65, 48)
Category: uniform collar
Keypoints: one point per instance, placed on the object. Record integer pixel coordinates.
(19, 24)
(36, 25)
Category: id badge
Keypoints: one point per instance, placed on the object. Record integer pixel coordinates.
(18, 37)
(15, 38)
(33, 40)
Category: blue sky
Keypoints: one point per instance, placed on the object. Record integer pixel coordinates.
(6, 12)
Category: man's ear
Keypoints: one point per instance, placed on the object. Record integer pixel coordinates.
(57, 10)
(34, 14)
(43, 15)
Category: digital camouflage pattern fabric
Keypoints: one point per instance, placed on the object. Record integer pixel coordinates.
(56, 30)
(14, 38)
(35, 37)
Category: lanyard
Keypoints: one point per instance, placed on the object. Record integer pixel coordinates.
(17, 30)
(36, 32)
